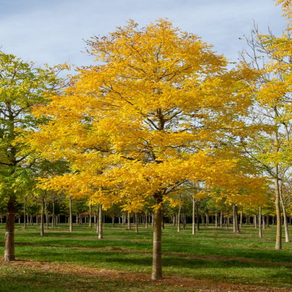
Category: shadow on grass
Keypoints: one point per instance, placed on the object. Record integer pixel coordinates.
(27, 280)
(227, 270)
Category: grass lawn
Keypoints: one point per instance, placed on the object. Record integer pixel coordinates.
(79, 261)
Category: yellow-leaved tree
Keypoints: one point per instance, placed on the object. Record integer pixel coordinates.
(270, 148)
(147, 118)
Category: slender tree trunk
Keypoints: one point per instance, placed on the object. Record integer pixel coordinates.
(221, 220)
(278, 213)
(90, 216)
(240, 219)
(255, 220)
(264, 222)
(129, 221)
(100, 229)
(216, 219)
(267, 220)
(207, 219)
(287, 239)
(184, 219)
(146, 219)
(194, 217)
(136, 222)
(235, 220)
(53, 214)
(42, 231)
(157, 234)
(24, 213)
(260, 222)
(178, 219)
(9, 254)
(70, 215)
(47, 215)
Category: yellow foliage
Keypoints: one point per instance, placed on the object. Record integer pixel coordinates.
(146, 118)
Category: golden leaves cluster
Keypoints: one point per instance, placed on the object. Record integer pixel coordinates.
(146, 118)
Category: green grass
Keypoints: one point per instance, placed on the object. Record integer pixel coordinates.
(210, 254)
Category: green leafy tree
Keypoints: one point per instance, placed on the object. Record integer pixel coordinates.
(22, 85)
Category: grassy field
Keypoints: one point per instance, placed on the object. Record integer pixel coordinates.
(212, 260)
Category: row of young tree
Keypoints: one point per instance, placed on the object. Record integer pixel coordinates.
(160, 114)
(51, 211)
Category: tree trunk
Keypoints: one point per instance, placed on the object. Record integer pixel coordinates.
(100, 230)
(24, 213)
(260, 222)
(90, 216)
(207, 219)
(184, 217)
(255, 220)
(235, 220)
(70, 215)
(285, 218)
(227, 221)
(42, 232)
(267, 220)
(194, 217)
(47, 215)
(157, 232)
(221, 220)
(240, 219)
(9, 254)
(178, 219)
(129, 221)
(136, 222)
(264, 222)
(278, 213)
(146, 219)
(53, 214)
(216, 219)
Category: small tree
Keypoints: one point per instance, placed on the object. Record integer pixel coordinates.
(22, 85)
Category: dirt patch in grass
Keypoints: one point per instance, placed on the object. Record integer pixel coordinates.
(189, 284)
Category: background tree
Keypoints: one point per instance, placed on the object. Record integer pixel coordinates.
(22, 85)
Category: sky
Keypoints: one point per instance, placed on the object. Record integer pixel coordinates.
(55, 31)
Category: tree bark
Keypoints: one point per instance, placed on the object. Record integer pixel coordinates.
(47, 215)
(100, 230)
(240, 219)
(235, 220)
(260, 222)
(53, 214)
(70, 215)
(157, 233)
(221, 220)
(146, 219)
(129, 221)
(216, 219)
(278, 213)
(194, 217)
(24, 213)
(42, 232)
(136, 222)
(90, 216)
(287, 239)
(178, 219)
(9, 248)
